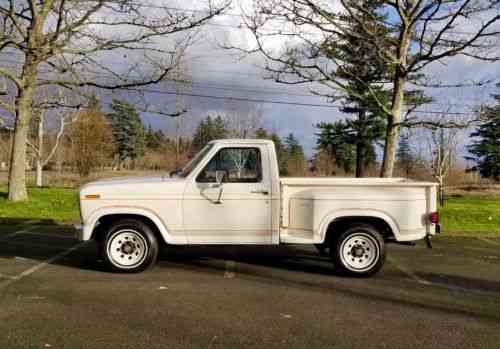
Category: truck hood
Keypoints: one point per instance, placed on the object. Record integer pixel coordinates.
(139, 187)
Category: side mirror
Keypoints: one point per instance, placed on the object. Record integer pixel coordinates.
(219, 177)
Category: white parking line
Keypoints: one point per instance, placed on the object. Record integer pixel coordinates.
(490, 241)
(8, 277)
(42, 265)
(5, 237)
(47, 234)
(409, 273)
(229, 272)
(432, 283)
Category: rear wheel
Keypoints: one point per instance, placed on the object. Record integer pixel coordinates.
(358, 250)
(129, 246)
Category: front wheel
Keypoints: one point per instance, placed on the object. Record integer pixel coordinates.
(129, 246)
(358, 250)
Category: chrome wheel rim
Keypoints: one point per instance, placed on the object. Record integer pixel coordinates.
(359, 252)
(127, 249)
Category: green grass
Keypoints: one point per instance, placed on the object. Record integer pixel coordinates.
(48, 205)
(471, 215)
(460, 216)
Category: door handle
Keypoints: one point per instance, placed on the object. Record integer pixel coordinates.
(263, 192)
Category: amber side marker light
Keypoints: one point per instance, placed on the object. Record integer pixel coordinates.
(92, 197)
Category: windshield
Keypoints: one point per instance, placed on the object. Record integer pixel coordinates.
(191, 165)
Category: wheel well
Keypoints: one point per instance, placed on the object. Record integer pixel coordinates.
(339, 224)
(106, 220)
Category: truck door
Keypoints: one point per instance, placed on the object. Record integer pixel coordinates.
(236, 211)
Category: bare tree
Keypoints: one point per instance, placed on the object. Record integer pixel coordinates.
(299, 39)
(43, 157)
(243, 120)
(118, 44)
(182, 84)
(442, 147)
(40, 110)
(92, 142)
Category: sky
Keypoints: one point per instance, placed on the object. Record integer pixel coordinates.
(216, 71)
(228, 77)
(220, 72)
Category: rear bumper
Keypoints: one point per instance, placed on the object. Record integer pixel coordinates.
(418, 234)
(438, 228)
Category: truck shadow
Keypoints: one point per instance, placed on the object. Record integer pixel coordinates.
(13, 223)
(42, 240)
(297, 267)
(290, 258)
(461, 283)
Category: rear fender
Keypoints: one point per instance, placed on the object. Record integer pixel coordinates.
(345, 213)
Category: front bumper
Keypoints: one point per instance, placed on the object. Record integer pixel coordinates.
(78, 231)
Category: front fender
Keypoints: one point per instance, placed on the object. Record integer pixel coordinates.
(90, 223)
(330, 217)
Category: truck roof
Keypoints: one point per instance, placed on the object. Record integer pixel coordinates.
(243, 140)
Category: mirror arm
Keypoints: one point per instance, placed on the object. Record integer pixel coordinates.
(218, 201)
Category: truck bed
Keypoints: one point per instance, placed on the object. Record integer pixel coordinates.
(309, 205)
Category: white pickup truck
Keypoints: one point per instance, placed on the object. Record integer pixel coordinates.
(231, 193)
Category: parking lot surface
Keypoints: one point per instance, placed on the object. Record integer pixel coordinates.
(54, 293)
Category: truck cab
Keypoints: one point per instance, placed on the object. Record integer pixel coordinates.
(231, 193)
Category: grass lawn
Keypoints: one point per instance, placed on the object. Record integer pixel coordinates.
(466, 215)
(46, 205)
(469, 215)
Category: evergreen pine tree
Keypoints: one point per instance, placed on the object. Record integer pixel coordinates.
(293, 147)
(220, 128)
(154, 139)
(404, 155)
(294, 155)
(485, 149)
(365, 72)
(334, 139)
(209, 129)
(150, 138)
(160, 137)
(261, 133)
(128, 131)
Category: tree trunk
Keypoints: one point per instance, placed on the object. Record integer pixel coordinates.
(393, 121)
(39, 172)
(17, 170)
(360, 161)
(39, 160)
(360, 147)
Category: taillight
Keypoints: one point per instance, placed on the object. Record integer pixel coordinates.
(434, 217)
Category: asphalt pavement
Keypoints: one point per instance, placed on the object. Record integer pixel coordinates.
(54, 293)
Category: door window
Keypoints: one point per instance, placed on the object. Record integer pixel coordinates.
(241, 165)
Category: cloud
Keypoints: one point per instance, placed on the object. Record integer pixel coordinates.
(219, 72)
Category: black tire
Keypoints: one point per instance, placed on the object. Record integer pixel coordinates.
(129, 246)
(358, 250)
